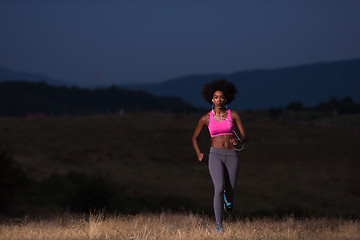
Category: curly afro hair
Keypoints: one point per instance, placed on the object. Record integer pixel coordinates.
(228, 88)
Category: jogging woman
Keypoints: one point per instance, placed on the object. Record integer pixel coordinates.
(225, 144)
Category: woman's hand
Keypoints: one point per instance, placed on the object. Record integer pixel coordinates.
(202, 122)
(200, 156)
(234, 141)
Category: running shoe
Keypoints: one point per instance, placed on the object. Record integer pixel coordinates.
(219, 229)
(228, 206)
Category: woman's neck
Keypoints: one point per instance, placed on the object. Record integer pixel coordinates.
(219, 112)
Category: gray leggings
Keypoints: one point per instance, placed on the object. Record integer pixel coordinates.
(223, 167)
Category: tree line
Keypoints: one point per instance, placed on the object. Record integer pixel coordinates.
(334, 105)
(21, 98)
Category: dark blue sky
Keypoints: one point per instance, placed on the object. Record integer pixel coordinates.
(151, 41)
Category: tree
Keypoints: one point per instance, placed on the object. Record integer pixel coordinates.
(294, 106)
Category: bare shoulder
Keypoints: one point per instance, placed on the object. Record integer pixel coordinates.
(205, 119)
(235, 115)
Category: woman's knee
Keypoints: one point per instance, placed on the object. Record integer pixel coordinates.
(219, 190)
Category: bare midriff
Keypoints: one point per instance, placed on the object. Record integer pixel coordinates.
(222, 141)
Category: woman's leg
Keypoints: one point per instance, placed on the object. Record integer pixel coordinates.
(231, 173)
(216, 168)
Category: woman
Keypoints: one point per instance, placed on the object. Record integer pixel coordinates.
(224, 151)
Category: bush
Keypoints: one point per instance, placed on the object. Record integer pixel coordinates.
(12, 179)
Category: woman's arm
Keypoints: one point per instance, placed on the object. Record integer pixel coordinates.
(198, 129)
(237, 119)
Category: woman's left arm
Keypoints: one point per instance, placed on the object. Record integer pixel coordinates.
(237, 119)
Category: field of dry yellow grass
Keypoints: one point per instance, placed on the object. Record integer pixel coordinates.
(176, 226)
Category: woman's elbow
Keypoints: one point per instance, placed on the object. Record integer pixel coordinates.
(194, 138)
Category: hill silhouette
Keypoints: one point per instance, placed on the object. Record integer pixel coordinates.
(309, 84)
(21, 98)
(7, 74)
(258, 89)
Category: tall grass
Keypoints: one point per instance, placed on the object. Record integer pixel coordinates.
(176, 226)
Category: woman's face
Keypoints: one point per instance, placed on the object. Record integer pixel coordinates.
(219, 99)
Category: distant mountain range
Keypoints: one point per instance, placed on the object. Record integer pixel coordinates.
(10, 74)
(308, 84)
(260, 88)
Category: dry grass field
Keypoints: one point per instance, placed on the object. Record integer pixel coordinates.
(176, 226)
(145, 163)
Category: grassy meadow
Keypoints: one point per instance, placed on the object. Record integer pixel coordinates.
(177, 226)
(296, 177)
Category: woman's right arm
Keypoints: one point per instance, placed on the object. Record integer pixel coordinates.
(198, 129)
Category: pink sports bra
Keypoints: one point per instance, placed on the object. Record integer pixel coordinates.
(224, 127)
